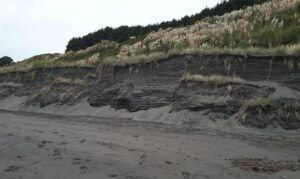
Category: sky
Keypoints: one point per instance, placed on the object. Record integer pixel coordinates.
(32, 27)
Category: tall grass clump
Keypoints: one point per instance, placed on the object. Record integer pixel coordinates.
(216, 79)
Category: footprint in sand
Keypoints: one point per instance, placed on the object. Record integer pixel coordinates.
(143, 159)
(82, 141)
(83, 169)
(167, 162)
(186, 175)
(63, 143)
(43, 143)
(77, 161)
(10, 134)
(12, 168)
(57, 153)
(113, 175)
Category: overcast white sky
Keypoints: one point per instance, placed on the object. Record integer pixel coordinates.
(31, 27)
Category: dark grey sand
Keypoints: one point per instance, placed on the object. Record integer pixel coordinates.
(61, 146)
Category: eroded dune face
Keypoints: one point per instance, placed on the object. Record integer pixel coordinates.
(256, 91)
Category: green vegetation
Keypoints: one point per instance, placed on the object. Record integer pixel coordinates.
(256, 102)
(4, 61)
(123, 33)
(284, 29)
(216, 79)
(271, 28)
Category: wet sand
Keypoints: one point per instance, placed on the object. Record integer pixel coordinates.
(58, 146)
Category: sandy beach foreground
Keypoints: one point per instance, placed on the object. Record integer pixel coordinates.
(48, 146)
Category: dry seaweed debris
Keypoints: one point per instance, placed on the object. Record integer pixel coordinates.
(263, 165)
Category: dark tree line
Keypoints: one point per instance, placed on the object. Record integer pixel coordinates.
(4, 61)
(123, 33)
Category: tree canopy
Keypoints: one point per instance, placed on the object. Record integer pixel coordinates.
(6, 61)
(123, 33)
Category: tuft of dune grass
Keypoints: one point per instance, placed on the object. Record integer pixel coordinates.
(217, 79)
(69, 81)
(255, 102)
